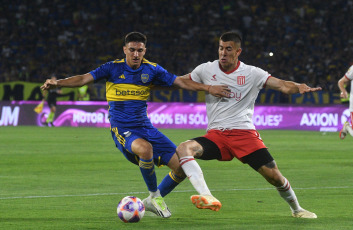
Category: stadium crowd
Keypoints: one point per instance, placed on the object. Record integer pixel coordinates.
(302, 40)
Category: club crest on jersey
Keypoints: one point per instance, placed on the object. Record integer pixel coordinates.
(241, 80)
(144, 77)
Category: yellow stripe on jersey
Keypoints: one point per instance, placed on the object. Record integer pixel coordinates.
(119, 61)
(147, 62)
(126, 92)
(120, 138)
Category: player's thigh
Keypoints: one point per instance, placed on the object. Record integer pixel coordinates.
(123, 141)
(142, 148)
(163, 148)
(209, 149)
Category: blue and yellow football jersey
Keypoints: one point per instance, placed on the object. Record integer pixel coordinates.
(127, 90)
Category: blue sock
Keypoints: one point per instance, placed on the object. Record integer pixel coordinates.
(148, 173)
(169, 182)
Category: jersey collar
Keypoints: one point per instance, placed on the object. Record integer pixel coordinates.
(231, 71)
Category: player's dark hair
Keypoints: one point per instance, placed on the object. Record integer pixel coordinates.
(135, 37)
(231, 36)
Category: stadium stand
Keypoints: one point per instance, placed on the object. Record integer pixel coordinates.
(310, 40)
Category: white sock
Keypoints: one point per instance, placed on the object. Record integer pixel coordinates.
(195, 175)
(350, 130)
(155, 194)
(287, 193)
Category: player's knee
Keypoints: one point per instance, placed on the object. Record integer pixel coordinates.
(143, 149)
(185, 149)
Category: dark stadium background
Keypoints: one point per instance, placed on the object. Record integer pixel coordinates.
(311, 40)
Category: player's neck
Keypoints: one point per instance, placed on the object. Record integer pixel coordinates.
(133, 65)
(230, 68)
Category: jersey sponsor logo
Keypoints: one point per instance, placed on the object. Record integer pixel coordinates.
(126, 92)
(214, 78)
(236, 95)
(131, 92)
(241, 80)
(144, 78)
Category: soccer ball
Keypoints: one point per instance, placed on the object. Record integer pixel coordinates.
(130, 209)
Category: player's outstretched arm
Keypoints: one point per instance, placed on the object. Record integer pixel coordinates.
(289, 87)
(341, 84)
(70, 82)
(185, 82)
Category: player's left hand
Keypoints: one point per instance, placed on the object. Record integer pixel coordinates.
(49, 84)
(303, 88)
(219, 91)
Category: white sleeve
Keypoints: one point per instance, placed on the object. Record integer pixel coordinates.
(196, 74)
(261, 77)
(349, 73)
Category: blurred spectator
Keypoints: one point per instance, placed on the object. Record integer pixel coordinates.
(310, 41)
(83, 93)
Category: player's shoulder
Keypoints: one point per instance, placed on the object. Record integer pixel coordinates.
(148, 63)
(243, 66)
(350, 69)
(207, 65)
(349, 73)
(118, 61)
(250, 68)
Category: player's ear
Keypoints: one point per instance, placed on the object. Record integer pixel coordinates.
(239, 51)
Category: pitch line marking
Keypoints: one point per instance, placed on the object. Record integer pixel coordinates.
(182, 191)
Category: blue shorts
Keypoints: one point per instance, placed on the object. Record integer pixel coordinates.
(163, 148)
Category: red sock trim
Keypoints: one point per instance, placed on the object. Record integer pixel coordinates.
(183, 161)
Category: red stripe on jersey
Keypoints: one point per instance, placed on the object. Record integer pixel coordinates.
(347, 78)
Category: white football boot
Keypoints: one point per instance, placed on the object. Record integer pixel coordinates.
(157, 206)
(304, 214)
(344, 131)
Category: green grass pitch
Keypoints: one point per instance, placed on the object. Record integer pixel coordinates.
(73, 178)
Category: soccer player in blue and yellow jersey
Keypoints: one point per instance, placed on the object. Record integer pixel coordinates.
(128, 84)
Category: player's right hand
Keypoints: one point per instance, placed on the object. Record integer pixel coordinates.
(344, 95)
(49, 84)
(219, 91)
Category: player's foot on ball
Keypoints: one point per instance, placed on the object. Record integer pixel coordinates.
(206, 202)
(343, 132)
(157, 206)
(304, 214)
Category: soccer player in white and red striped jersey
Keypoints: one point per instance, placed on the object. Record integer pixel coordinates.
(231, 132)
(348, 77)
